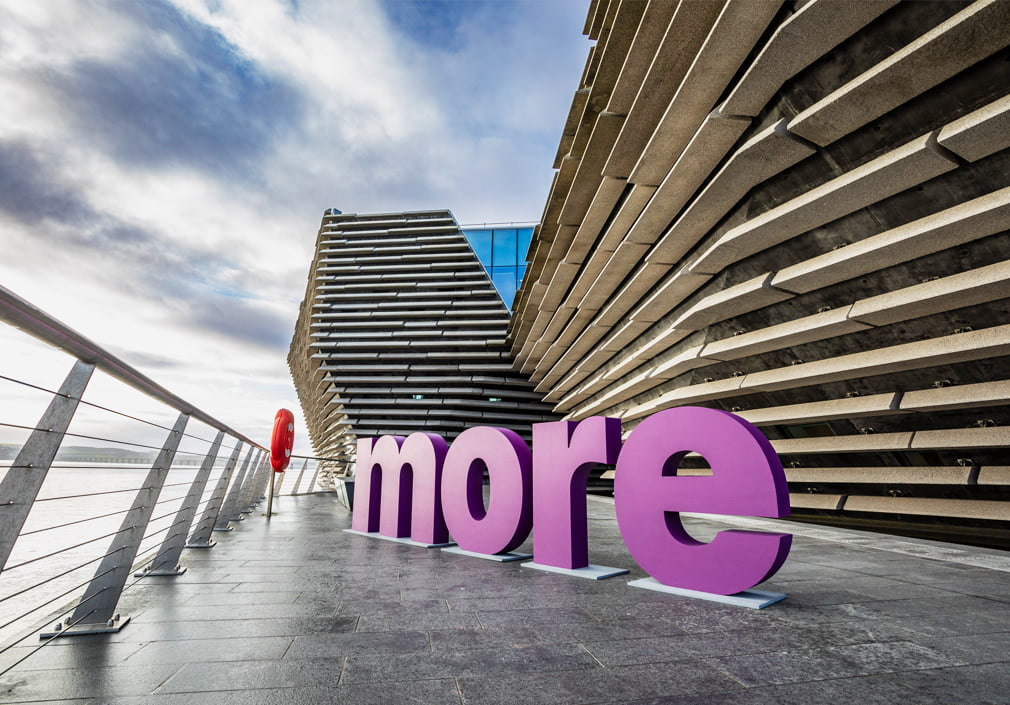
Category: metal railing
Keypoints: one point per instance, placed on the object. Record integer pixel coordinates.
(217, 474)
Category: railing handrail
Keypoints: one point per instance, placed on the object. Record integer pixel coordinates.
(39, 324)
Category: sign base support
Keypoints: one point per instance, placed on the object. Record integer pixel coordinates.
(408, 541)
(499, 557)
(754, 599)
(591, 571)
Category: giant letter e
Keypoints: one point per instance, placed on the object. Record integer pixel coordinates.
(747, 479)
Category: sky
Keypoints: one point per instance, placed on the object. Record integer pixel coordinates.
(164, 165)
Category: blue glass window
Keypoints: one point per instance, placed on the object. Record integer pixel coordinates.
(480, 241)
(502, 251)
(525, 236)
(504, 247)
(504, 279)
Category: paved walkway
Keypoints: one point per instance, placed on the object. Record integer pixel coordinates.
(298, 611)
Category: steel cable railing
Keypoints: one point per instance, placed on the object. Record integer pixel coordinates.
(99, 406)
(220, 472)
(93, 560)
(72, 523)
(54, 598)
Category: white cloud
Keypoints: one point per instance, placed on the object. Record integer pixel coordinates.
(172, 161)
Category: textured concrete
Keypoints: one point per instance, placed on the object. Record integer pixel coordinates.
(857, 157)
(298, 611)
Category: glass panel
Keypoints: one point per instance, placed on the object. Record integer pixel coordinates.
(480, 241)
(525, 236)
(521, 274)
(504, 279)
(504, 247)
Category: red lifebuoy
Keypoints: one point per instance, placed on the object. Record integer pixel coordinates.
(282, 441)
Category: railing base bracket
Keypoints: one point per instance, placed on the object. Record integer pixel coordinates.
(178, 570)
(209, 544)
(85, 629)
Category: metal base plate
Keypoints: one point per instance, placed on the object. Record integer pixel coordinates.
(223, 528)
(754, 599)
(591, 571)
(409, 542)
(85, 629)
(499, 557)
(209, 544)
(179, 570)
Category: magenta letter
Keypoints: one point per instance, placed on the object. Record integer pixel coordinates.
(563, 454)
(399, 483)
(509, 516)
(747, 479)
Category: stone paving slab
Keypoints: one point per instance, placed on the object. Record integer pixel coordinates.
(295, 610)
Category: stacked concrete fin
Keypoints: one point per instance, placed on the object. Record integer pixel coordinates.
(799, 212)
(401, 330)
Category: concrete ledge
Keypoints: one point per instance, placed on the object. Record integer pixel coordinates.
(966, 38)
(919, 506)
(879, 476)
(966, 222)
(980, 133)
(815, 29)
(830, 502)
(908, 165)
(816, 411)
(766, 154)
(732, 37)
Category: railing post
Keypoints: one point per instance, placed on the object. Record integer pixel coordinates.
(201, 536)
(272, 485)
(167, 560)
(298, 482)
(96, 612)
(279, 481)
(229, 512)
(266, 473)
(24, 478)
(250, 489)
(312, 482)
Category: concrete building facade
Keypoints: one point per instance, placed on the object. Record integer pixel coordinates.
(402, 330)
(799, 212)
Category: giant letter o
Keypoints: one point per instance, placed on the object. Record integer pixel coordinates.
(509, 515)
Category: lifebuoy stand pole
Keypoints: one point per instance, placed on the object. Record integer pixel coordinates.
(270, 494)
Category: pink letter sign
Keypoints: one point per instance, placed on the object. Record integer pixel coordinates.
(747, 479)
(509, 516)
(563, 454)
(399, 487)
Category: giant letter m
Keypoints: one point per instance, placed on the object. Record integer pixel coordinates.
(399, 487)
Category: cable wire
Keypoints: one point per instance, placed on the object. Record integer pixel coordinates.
(52, 578)
(56, 393)
(70, 548)
(71, 523)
